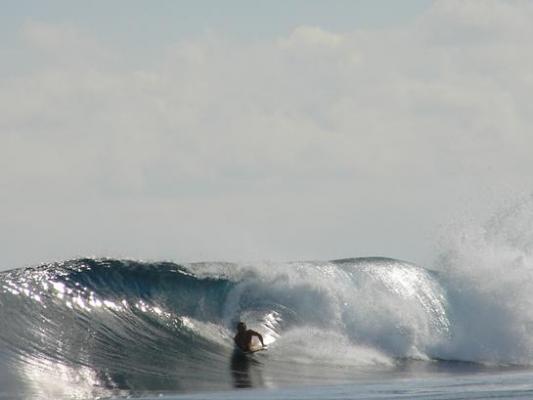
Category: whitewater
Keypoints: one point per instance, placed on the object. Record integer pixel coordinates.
(368, 327)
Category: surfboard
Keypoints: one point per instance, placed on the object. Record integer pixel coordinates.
(255, 346)
(237, 351)
(256, 350)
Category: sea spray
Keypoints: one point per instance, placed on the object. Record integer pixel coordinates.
(488, 273)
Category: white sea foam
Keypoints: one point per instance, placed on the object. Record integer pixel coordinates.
(372, 309)
(488, 273)
(323, 347)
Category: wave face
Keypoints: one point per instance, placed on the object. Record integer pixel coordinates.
(134, 325)
(90, 326)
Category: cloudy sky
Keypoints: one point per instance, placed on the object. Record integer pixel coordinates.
(238, 130)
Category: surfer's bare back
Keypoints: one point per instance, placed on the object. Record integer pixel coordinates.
(243, 338)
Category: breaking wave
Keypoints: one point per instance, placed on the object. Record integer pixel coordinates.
(109, 324)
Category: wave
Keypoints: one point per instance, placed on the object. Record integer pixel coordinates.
(123, 324)
(120, 318)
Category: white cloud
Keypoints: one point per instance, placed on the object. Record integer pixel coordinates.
(318, 144)
(311, 36)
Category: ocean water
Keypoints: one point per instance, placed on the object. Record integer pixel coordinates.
(359, 328)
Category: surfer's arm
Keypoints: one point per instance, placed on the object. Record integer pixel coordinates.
(259, 336)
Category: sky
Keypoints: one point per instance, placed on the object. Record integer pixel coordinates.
(242, 131)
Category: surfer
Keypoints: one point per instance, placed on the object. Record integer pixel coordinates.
(243, 338)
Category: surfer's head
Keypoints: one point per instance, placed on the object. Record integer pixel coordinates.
(241, 326)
